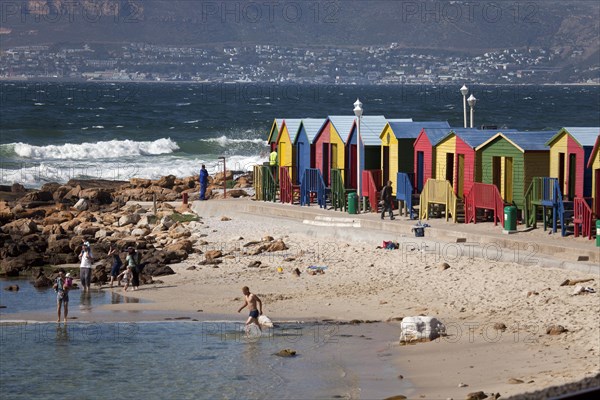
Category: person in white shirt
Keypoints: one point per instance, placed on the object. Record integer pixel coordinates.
(85, 268)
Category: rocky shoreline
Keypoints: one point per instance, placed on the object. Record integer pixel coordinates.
(45, 228)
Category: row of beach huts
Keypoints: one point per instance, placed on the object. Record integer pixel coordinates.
(465, 174)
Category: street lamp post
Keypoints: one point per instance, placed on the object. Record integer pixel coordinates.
(224, 178)
(464, 91)
(358, 111)
(472, 100)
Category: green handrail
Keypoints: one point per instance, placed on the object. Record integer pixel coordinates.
(338, 192)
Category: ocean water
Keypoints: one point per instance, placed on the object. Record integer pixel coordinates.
(182, 359)
(58, 131)
(29, 298)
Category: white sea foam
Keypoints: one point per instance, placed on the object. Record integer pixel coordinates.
(35, 174)
(86, 151)
(224, 141)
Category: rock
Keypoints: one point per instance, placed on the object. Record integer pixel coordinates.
(140, 232)
(514, 381)
(555, 330)
(212, 254)
(499, 326)
(279, 245)
(97, 195)
(181, 245)
(254, 264)
(461, 385)
(225, 219)
(444, 266)
(139, 182)
(166, 182)
(218, 179)
(5, 212)
(20, 227)
(159, 270)
(296, 272)
(36, 197)
(17, 188)
(476, 396)
(102, 233)
(12, 288)
(421, 328)
(268, 239)
(178, 231)
(129, 219)
(167, 221)
(81, 205)
(86, 229)
(42, 281)
(286, 353)
(57, 218)
(58, 244)
(237, 193)
(191, 268)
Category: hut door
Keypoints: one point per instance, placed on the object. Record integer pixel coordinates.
(508, 179)
(561, 171)
(299, 162)
(497, 172)
(325, 164)
(450, 168)
(460, 175)
(352, 166)
(572, 177)
(597, 196)
(386, 164)
(419, 171)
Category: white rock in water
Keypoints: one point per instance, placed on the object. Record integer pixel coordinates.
(421, 328)
(263, 320)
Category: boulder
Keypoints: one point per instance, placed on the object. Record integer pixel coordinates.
(183, 245)
(129, 219)
(36, 197)
(236, 193)
(166, 182)
(278, 245)
(35, 242)
(167, 221)
(218, 180)
(20, 227)
(476, 396)
(81, 205)
(42, 281)
(421, 328)
(140, 231)
(86, 229)
(158, 270)
(60, 193)
(97, 196)
(5, 212)
(140, 183)
(555, 330)
(212, 254)
(17, 188)
(57, 218)
(53, 230)
(50, 187)
(286, 353)
(58, 244)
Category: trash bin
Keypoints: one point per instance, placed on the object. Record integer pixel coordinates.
(352, 203)
(598, 233)
(510, 218)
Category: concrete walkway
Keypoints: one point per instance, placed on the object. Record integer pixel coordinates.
(444, 240)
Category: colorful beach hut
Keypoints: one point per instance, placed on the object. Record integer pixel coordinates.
(285, 145)
(397, 139)
(594, 166)
(330, 145)
(510, 160)
(305, 149)
(570, 150)
(370, 127)
(274, 133)
(457, 160)
(424, 157)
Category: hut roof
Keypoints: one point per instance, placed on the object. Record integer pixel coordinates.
(312, 126)
(275, 128)
(343, 124)
(370, 128)
(293, 126)
(585, 136)
(476, 137)
(524, 141)
(595, 150)
(410, 130)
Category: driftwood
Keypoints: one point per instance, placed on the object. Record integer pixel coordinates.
(574, 282)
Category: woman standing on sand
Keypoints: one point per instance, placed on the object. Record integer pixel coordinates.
(132, 261)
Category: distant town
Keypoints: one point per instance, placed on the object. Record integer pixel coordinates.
(377, 65)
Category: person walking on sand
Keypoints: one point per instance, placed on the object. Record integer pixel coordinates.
(203, 178)
(116, 265)
(386, 197)
(251, 300)
(85, 268)
(62, 294)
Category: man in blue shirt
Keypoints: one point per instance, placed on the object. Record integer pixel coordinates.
(203, 182)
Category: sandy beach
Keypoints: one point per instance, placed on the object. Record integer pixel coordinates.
(362, 282)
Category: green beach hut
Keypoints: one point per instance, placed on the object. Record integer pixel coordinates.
(510, 160)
